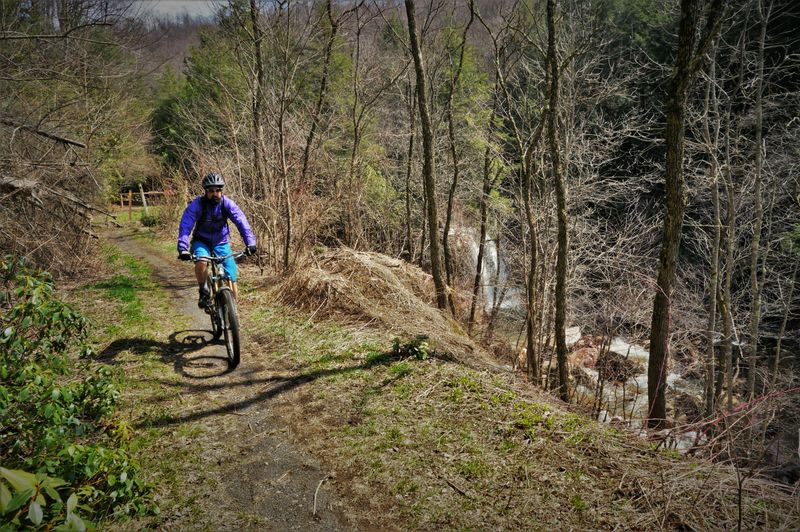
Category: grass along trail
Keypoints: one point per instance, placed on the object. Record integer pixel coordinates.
(207, 438)
(381, 436)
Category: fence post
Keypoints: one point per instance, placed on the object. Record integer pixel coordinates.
(130, 205)
(144, 200)
(121, 200)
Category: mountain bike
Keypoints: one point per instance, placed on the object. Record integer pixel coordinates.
(222, 305)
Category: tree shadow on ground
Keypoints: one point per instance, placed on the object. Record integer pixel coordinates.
(182, 350)
(280, 385)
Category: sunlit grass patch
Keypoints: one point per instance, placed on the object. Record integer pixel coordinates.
(472, 469)
(136, 213)
(450, 442)
(127, 285)
(119, 287)
(400, 369)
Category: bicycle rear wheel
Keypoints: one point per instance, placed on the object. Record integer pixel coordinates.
(230, 326)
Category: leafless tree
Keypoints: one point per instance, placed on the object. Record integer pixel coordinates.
(428, 166)
(690, 54)
(66, 122)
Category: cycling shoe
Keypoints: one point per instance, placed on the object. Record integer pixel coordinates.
(205, 299)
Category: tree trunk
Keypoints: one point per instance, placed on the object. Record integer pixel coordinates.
(713, 287)
(561, 201)
(352, 227)
(532, 351)
(409, 252)
(498, 295)
(486, 190)
(323, 89)
(428, 164)
(451, 131)
(712, 143)
(283, 168)
(531, 288)
(351, 231)
(287, 242)
(725, 299)
(448, 217)
(259, 151)
(423, 232)
(726, 310)
(755, 249)
(687, 62)
(673, 223)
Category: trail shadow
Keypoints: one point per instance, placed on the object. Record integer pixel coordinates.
(182, 351)
(282, 385)
(171, 284)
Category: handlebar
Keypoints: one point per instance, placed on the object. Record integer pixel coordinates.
(218, 260)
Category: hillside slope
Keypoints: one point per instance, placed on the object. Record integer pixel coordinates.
(393, 434)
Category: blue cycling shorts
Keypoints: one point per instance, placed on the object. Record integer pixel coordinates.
(201, 249)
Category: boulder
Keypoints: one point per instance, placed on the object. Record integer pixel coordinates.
(580, 377)
(613, 367)
(522, 359)
(688, 406)
(573, 334)
(585, 357)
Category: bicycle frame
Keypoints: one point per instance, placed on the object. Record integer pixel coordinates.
(222, 306)
(218, 278)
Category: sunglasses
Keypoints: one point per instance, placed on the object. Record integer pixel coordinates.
(214, 190)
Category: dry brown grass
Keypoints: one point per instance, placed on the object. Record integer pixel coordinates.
(376, 289)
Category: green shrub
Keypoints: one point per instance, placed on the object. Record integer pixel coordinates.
(150, 220)
(418, 348)
(28, 501)
(59, 434)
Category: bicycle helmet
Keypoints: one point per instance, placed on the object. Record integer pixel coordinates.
(213, 179)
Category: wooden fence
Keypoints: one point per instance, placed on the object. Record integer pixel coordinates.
(153, 197)
(143, 198)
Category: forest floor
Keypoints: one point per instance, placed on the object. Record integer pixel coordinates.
(325, 426)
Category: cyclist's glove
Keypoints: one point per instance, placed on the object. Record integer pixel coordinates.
(184, 254)
(251, 250)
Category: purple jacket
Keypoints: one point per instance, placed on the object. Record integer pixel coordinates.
(213, 230)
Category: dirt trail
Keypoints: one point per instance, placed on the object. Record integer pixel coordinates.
(268, 482)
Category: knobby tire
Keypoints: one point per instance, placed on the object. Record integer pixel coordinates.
(230, 326)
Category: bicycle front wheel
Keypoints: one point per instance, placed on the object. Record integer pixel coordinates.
(230, 326)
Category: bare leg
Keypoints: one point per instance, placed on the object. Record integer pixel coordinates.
(235, 291)
(201, 272)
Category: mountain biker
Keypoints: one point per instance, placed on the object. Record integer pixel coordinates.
(206, 221)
